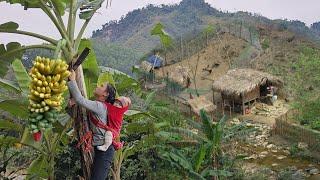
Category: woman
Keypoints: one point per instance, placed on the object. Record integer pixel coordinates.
(105, 110)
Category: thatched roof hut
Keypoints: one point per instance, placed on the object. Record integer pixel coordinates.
(241, 81)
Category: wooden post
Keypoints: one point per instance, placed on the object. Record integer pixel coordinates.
(243, 109)
(222, 106)
(233, 105)
(212, 95)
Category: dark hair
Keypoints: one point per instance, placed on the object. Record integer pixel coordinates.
(111, 98)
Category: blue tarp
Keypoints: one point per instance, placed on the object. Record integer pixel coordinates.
(156, 61)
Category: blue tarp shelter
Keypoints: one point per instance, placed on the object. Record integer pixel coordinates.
(156, 61)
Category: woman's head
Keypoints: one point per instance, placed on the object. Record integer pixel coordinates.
(105, 92)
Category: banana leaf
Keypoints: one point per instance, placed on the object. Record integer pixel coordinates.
(10, 125)
(16, 107)
(21, 75)
(90, 67)
(38, 168)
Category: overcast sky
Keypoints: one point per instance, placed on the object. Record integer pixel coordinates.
(34, 20)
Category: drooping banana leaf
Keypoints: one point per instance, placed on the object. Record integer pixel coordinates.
(16, 107)
(8, 85)
(90, 67)
(21, 75)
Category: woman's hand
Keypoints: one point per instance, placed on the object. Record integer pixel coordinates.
(71, 102)
(72, 76)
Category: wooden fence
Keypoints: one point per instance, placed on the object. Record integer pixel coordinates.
(297, 133)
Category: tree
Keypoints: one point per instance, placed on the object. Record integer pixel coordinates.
(165, 39)
(67, 48)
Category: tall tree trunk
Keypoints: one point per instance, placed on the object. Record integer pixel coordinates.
(81, 126)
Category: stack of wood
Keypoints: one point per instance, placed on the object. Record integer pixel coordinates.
(201, 102)
(146, 66)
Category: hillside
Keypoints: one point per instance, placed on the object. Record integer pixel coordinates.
(184, 21)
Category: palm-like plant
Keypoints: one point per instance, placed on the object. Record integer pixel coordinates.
(209, 137)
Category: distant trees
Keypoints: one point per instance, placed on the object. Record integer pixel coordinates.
(115, 56)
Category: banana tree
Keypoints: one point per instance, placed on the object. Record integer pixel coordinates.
(68, 45)
(209, 137)
(165, 39)
(15, 106)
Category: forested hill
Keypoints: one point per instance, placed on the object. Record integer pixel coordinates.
(128, 39)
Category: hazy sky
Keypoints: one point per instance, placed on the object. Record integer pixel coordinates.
(34, 20)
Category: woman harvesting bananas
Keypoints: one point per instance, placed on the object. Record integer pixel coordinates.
(106, 115)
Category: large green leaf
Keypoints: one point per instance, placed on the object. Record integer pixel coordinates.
(181, 160)
(134, 115)
(21, 75)
(7, 54)
(10, 125)
(199, 158)
(9, 26)
(207, 125)
(89, 8)
(90, 67)
(157, 29)
(16, 107)
(165, 39)
(11, 86)
(123, 82)
(38, 168)
(60, 6)
(105, 78)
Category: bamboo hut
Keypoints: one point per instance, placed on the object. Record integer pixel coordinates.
(242, 87)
